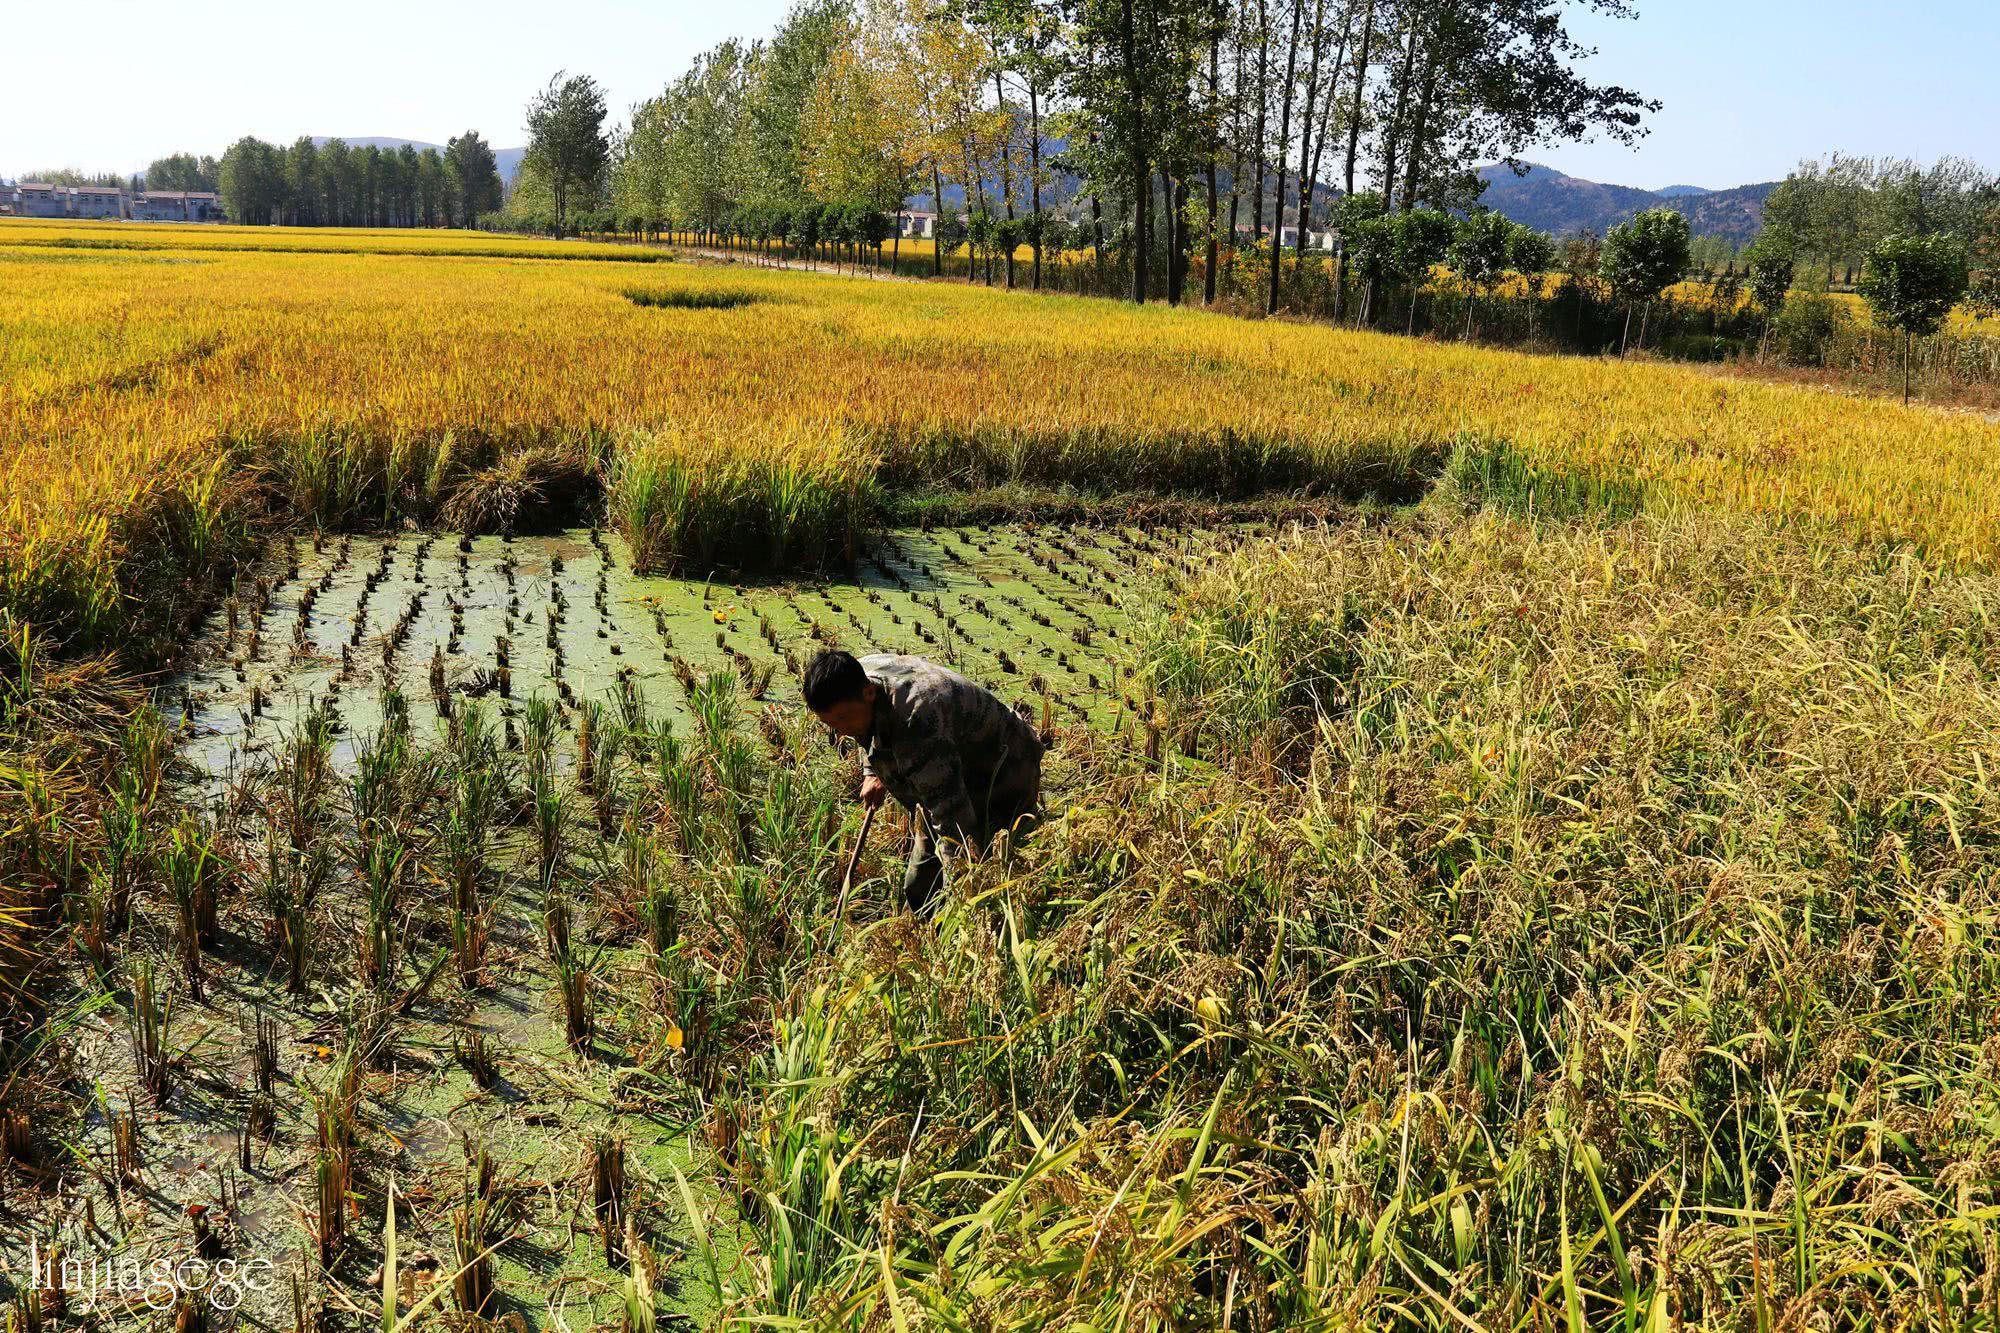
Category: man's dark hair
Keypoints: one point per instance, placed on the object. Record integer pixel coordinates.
(831, 678)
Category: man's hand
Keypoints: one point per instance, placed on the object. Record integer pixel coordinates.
(873, 792)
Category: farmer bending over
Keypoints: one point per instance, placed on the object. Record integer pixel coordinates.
(932, 739)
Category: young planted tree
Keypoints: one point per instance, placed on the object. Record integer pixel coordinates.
(1532, 254)
(1641, 259)
(1421, 238)
(1479, 250)
(1772, 260)
(1911, 284)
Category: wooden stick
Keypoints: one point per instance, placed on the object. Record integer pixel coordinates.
(847, 880)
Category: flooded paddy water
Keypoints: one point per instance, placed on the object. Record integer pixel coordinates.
(1039, 615)
(360, 1007)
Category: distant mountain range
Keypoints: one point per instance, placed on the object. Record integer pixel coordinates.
(1542, 198)
(508, 160)
(1547, 200)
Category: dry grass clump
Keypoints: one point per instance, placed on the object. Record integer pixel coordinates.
(527, 484)
(1595, 941)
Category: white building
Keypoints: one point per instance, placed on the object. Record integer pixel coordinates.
(917, 224)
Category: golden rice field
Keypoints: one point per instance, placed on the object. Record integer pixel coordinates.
(61, 234)
(750, 403)
(1470, 922)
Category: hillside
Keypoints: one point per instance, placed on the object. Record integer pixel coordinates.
(1548, 200)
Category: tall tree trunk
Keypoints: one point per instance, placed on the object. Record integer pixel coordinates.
(1140, 158)
(937, 218)
(1006, 167)
(1097, 237)
(1284, 144)
(1353, 148)
(1174, 195)
(1035, 175)
(1263, 108)
(1306, 122)
(1214, 151)
(1236, 146)
(1420, 131)
(1392, 131)
(1326, 114)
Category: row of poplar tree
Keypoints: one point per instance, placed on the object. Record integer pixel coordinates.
(1168, 127)
(333, 184)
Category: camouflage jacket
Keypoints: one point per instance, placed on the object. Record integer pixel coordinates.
(944, 743)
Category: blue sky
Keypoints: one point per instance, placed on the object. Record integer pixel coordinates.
(1750, 86)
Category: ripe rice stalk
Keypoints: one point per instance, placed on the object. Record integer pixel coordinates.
(680, 789)
(481, 1222)
(293, 880)
(470, 933)
(589, 720)
(90, 922)
(539, 723)
(17, 1137)
(333, 1160)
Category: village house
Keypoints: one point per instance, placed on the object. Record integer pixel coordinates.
(96, 201)
(38, 199)
(175, 206)
(1288, 237)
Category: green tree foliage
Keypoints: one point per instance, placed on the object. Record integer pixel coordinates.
(184, 171)
(1479, 249)
(1644, 257)
(335, 185)
(1532, 254)
(780, 81)
(567, 145)
(253, 179)
(1773, 259)
(1423, 238)
(475, 176)
(1911, 283)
